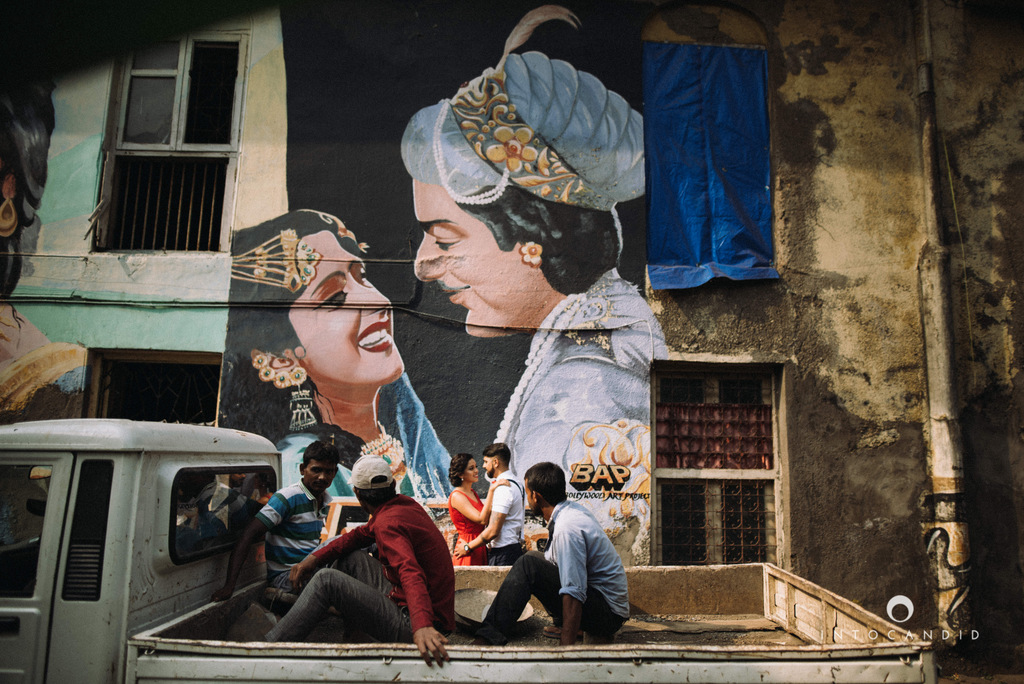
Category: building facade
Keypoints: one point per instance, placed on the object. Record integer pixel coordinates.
(746, 271)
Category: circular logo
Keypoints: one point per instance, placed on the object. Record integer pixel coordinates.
(900, 600)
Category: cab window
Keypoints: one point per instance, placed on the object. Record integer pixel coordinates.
(23, 493)
(213, 507)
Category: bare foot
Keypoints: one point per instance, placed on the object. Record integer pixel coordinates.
(555, 632)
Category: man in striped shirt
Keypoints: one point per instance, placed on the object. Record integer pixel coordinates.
(290, 523)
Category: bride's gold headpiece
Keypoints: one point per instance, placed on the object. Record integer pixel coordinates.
(282, 261)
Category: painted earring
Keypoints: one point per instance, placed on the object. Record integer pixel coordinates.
(531, 252)
(283, 372)
(8, 218)
(301, 405)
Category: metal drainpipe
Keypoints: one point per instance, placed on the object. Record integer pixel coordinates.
(946, 532)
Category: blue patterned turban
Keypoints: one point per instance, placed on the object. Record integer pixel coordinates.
(533, 122)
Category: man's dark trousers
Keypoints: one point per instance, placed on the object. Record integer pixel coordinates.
(534, 575)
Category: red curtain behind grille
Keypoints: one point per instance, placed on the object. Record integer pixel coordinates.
(714, 435)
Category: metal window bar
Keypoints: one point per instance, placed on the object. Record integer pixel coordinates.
(168, 203)
(681, 390)
(707, 522)
(739, 391)
(181, 198)
(202, 195)
(149, 192)
(191, 193)
(159, 194)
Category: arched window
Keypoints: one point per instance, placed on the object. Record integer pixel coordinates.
(706, 134)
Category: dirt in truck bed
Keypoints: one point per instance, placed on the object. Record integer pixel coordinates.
(215, 621)
(690, 630)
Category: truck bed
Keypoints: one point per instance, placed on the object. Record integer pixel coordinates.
(745, 623)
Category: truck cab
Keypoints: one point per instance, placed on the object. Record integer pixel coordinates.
(109, 527)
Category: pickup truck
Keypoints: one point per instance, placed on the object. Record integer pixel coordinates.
(114, 534)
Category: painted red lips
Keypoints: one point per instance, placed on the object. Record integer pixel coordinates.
(376, 337)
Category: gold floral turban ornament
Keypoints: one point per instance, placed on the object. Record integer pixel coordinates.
(534, 122)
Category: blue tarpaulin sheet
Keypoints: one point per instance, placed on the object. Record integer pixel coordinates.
(709, 210)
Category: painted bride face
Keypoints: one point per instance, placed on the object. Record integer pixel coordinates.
(501, 291)
(344, 324)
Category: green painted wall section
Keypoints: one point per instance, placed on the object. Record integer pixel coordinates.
(102, 326)
(76, 173)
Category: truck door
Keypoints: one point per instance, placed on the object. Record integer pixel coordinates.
(33, 496)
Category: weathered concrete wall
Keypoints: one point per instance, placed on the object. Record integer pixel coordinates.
(979, 76)
(67, 263)
(844, 317)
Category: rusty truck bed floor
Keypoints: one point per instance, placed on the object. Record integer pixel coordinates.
(696, 630)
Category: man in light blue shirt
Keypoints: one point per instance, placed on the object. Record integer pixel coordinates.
(580, 579)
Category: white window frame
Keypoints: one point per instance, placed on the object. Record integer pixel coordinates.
(771, 394)
(118, 148)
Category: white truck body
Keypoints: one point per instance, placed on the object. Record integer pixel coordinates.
(52, 636)
(143, 613)
(756, 623)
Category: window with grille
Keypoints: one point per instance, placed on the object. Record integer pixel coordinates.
(175, 146)
(716, 469)
(169, 388)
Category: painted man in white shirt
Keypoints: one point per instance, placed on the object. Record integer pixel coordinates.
(504, 532)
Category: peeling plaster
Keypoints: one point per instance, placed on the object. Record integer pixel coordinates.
(878, 439)
(812, 57)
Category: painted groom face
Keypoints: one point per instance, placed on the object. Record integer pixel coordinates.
(501, 292)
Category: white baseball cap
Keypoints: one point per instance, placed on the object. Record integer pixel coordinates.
(371, 472)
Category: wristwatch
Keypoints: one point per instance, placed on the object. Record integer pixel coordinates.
(465, 548)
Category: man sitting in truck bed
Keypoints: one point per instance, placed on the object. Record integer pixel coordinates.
(580, 580)
(291, 521)
(409, 595)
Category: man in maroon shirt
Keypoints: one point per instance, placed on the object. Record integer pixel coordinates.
(409, 595)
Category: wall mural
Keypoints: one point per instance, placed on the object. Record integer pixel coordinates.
(38, 378)
(503, 227)
(311, 355)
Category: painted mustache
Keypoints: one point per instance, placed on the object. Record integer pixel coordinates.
(451, 288)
